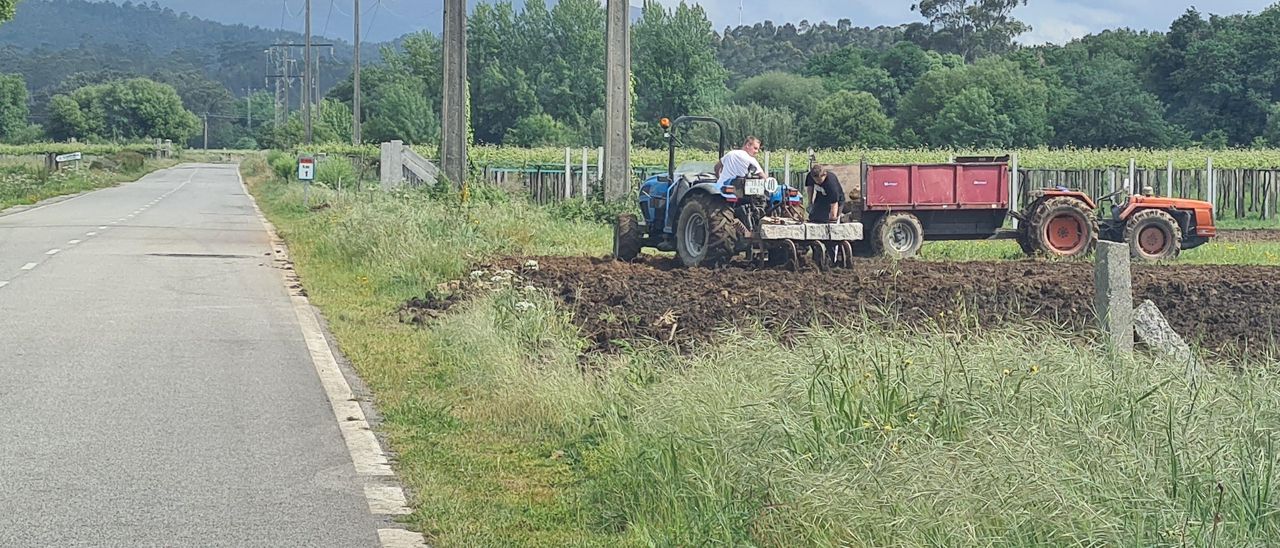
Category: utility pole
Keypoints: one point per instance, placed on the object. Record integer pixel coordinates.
(307, 76)
(453, 116)
(355, 91)
(617, 102)
(206, 131)
(248, 109)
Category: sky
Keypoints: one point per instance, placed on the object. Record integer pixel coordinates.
(1056, 21)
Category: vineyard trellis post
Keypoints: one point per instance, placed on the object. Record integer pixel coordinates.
(584, 173)
(786, 166)
(1169, 177)
(1133, 172)
(568, 172)
(1211, 187)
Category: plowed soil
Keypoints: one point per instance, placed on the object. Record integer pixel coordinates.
(1219, 308)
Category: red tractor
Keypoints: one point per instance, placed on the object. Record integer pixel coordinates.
(1066, 223)
(905, 205)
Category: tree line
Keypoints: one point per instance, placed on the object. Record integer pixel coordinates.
(957, 79)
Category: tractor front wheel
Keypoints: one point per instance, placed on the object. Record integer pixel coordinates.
(1062, 227)
(705, 234)
(897, 236)
(627, 236)
(1153, 235)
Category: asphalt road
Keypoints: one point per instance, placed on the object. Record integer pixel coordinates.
(154, 384)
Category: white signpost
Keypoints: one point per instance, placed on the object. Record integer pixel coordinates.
(306, 168)
(73, 157)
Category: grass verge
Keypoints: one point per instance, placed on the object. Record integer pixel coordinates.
(866, 435)
(24, 181)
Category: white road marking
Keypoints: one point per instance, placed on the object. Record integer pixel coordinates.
(400, 538)
(102, 228)
(73, 242)
(90, 233)
(112, 222)
(30, 266)
(386, 500)
(366, 452)
(3, 283)
(52, 252)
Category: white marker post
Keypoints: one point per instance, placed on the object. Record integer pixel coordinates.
(306, 173)
(584, 173)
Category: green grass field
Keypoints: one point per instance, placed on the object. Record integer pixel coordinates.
(864, 435)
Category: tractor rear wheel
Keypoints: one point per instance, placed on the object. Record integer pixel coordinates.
(705, 234)
(897, 236)
(627, 236)
(1153, 235)
(1062, 227)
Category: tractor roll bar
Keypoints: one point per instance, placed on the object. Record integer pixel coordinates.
(671, 140)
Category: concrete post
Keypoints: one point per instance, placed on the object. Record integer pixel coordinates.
(453, 116)
(617, 121)
(1113, 301)
(786, 167)
(1169, 176)
(1133, 175)
(391, 170)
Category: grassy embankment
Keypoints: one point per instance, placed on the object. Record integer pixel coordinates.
(859, 436)
(23, 180)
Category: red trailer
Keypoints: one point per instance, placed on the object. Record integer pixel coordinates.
(969, 199)
(905, 204)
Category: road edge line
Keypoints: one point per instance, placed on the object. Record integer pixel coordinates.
(379, 483)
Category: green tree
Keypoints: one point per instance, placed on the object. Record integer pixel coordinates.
(573, 77)
(7, 9)
(1022, 100)
(401, 111)
(501, 91)
(970, 119)
(781, 90)
(66, 120)
(539, 130)
(675, 68)
(848, 119)
(1107, 107)
(137, 108)
(776, 127)
(13, 106)
(973, 28)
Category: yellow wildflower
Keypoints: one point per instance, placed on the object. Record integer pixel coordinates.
(888, 428)
(1035, 369)
(1007, 372)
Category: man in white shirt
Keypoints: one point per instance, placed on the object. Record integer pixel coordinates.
(737, 163)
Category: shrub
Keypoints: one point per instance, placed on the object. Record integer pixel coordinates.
(334, 170)
(593, 211)
(283, 164)
(128, 160)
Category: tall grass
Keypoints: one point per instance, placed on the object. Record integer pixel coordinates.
(866, 435)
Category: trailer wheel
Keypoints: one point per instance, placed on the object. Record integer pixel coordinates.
(627, 235)
(1153, 235)
(705, 234)
(897, 236)
(1064, 227)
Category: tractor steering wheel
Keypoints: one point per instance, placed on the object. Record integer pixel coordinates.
(1111, 197)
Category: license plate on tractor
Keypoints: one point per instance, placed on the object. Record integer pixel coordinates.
(753, 187)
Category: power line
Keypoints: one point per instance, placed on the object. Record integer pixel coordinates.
(325, 29)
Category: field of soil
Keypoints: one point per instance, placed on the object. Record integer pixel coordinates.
(1218, 307)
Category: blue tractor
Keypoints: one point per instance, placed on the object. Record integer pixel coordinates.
(708, 223)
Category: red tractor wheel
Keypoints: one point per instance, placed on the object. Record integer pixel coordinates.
(1153, 235)
(1063, 227)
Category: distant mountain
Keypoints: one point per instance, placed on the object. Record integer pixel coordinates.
(382, 20)
(51, 39)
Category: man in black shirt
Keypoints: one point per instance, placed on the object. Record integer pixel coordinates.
(825, 195)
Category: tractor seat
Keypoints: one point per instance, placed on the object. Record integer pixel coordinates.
(695, 178)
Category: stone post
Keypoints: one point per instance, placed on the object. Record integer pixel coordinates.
(617, 120)
(391, 164)
(1114, 299)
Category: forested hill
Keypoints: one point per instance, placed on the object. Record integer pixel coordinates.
(49, 40)
(763, 47)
